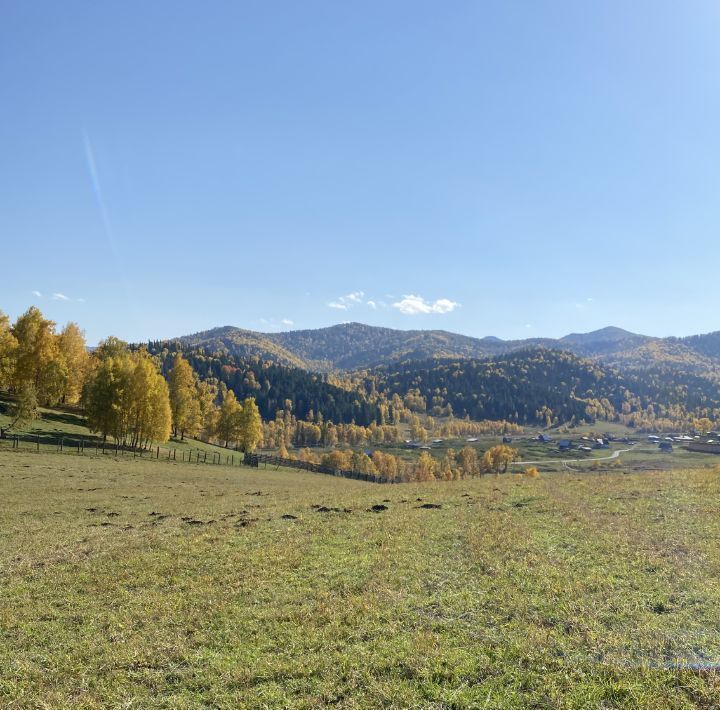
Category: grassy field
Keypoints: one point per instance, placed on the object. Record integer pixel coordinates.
(150, 584)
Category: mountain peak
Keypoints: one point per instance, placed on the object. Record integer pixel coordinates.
(609, 334)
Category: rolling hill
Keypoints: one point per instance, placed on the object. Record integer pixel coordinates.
(355, 346)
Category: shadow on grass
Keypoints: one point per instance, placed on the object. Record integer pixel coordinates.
(63, 418)
(47, 438)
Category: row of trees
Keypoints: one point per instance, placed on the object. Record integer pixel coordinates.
(127, 397)
(122, 390)
(455, 465)
(289, 431)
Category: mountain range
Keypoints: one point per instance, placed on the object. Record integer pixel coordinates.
(355, 346)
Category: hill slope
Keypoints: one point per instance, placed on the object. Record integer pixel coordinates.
(242, 344)
(521, 386)
(354, 346)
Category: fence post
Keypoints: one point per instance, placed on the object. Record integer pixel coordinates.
(62, 441)
(37, 442)
(158, 452)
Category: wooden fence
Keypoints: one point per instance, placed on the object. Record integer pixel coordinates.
(91, 446)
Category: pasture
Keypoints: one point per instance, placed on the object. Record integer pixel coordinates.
(139, 584)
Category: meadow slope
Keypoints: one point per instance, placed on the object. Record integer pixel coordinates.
(152, 584)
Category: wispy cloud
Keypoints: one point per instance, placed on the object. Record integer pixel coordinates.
(286, 321)
(582, 305)
(57, 296)
(412, 305)
(346, 302)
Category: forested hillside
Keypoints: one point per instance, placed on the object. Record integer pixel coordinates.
(272, 385)
(354, 346)
(347, 346)
(546, 386)
(241, 344)
(532, 386)
(708, 344)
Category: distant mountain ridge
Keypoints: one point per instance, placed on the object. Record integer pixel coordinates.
(355, 346)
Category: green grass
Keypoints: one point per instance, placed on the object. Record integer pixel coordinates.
(137, 584)
(69, 425)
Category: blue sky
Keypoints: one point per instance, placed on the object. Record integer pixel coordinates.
(506, 168)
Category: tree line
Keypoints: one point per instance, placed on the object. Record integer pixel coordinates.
(122, 390)
(454, 466)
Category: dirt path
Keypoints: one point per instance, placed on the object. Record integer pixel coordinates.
(613, 455)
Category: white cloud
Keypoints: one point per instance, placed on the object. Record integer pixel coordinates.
(286, 321)
(376, 305)
(37, 294)
(412, 305)
(346, 302)
(59, 297)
